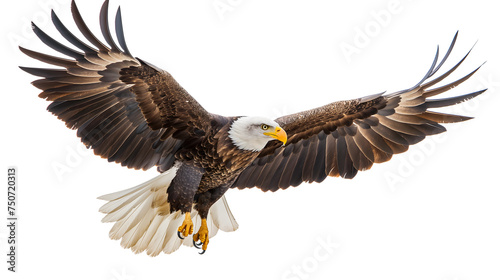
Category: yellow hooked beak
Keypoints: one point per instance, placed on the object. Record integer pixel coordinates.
(278, 133)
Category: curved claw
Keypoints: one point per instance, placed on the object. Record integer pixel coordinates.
(179, 235)
(202, 237)
(197, 244)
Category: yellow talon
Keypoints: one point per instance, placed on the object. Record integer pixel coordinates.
(187, 225)
(202, 234)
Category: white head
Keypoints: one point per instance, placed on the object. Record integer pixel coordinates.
(253, 133)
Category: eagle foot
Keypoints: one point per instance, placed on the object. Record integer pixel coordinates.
(186, 228)
(179, 235)
(202, 237)
(197, 245)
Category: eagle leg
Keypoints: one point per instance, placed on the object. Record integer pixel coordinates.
(202, 236)
(181, 193)
(187, 226)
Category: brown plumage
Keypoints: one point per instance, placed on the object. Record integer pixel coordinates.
(133, 113)
(342, 138)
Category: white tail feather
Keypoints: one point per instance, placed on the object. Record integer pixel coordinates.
(143, 220)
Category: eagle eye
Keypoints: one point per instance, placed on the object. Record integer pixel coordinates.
(264, 126)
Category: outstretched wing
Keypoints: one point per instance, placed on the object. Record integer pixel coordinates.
(342, 138)
(125, 109)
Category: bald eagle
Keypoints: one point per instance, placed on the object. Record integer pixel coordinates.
(134, 113)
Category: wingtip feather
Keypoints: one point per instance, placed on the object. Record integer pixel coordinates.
(119, 31)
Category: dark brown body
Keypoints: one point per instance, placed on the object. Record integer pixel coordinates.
(207, 168)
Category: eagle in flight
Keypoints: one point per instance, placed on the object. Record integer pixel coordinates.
(134, 113)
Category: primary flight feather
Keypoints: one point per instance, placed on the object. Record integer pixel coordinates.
(133, 113)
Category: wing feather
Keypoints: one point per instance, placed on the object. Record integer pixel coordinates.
(104, 22)
(122, 107)
(70, 36)
(119, 31)
(342, 138)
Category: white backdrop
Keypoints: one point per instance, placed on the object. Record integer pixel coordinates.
(431, 213)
